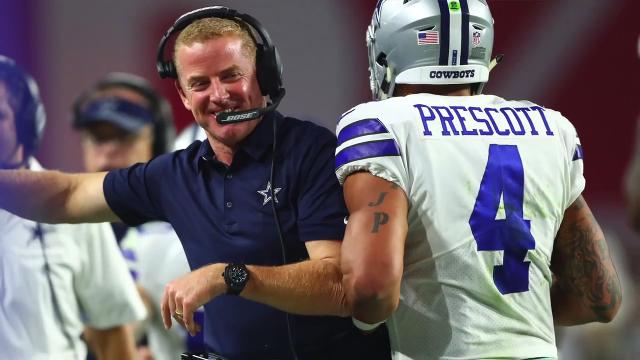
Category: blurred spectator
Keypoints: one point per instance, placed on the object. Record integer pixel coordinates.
(123, 121)
(55, 279)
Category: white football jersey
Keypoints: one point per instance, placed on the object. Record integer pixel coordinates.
(156, 257)
(54, 281)
(488, 181)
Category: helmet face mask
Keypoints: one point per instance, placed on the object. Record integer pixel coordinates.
(428, 42)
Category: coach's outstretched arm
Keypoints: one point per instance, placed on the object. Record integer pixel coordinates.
(373, 246)
(55, 197)
(586, 287)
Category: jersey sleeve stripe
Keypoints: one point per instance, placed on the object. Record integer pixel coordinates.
(367, 150)
(361, 128)
(578, 155)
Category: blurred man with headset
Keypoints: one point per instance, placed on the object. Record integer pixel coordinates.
(256, 206)
(123, 120)
(56, 279)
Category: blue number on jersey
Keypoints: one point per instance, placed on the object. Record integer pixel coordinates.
(504, 177)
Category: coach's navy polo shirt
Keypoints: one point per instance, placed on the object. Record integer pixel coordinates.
(224, 214)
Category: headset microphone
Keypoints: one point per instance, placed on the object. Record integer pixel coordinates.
(233, 117)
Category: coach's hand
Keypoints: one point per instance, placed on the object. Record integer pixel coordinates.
(184, 295)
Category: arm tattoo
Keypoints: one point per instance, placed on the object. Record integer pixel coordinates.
(379, 218)
(380, 200)
(588, 273)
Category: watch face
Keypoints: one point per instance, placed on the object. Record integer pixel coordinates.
(238, 274)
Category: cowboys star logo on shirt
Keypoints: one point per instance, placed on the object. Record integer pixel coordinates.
(38, 232)
(267, 193)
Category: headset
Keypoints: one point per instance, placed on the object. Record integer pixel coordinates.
(268, 65)
(163, 126)
(30, 117)
(269, 73)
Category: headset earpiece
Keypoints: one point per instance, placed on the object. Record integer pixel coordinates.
(167, 69)
(269, 71)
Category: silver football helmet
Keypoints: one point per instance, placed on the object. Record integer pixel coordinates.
(429, 42)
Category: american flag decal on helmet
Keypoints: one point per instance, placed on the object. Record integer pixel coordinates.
(428, 37)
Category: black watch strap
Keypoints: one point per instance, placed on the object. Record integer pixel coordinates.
(236, 277)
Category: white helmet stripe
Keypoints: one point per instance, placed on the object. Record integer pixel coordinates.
(455, 38)
(465, 31)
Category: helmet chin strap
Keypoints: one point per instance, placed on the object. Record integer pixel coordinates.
(495, 61)
(386, 82)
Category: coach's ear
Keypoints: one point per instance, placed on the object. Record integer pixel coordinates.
(183, 95)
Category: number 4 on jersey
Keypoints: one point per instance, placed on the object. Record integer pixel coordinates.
(504, 178)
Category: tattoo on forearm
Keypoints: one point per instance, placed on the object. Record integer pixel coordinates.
(380, 199)
(379, 218)
(590, 274)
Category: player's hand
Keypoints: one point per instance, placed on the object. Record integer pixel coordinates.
(184, 295)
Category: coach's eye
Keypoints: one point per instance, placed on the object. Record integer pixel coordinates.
(198, 85)
(231, 76)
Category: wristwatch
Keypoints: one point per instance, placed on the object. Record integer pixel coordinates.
(236, 277)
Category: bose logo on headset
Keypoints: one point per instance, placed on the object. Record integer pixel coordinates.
(268, 65)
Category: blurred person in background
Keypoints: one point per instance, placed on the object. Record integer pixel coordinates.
(188, 135)
(55, 280)
(467, 230)
(124, 121)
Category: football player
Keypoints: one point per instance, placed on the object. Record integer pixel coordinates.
(467, 232)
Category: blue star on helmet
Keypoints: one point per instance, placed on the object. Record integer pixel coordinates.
(267, 193)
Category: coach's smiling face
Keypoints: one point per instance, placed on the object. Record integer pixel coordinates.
(218, 75)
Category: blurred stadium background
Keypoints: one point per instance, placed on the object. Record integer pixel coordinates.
(576, 56)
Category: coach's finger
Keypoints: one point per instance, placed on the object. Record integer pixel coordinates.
(165, 308)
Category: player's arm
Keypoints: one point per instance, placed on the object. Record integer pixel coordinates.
(586, 286)
(310, 287)
(55, 197)
(111, 344)
(373, 246)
